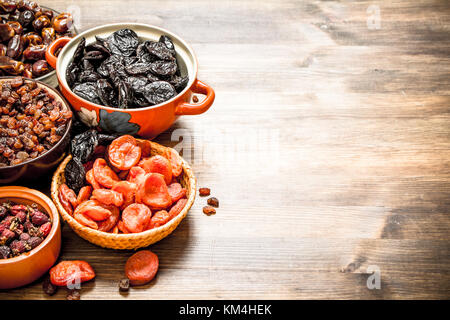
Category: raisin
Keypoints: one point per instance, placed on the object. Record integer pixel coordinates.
(213, 202)
(208, 210)
(73, 295)
(49, 288)
(204, 192)
(124, 285)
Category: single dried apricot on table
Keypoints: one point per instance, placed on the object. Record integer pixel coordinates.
(159, 218)
(141, 267)
(176, 191)
(204, 192)
(175, 161)
(152, 191)
(103, 174)
(108, 197)
(84, 194)
(158, 164)
(136, 217)
(124, 152)
(69, 272)
(176, 209)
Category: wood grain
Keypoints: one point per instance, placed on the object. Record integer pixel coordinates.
(328, 147)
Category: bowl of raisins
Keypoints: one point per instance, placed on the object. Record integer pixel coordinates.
(30, 235)
(26, 30)
(129, 78)
(35, 123)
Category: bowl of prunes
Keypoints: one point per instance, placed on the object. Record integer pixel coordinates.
(129, 78)
(26, 30)
(35, 124)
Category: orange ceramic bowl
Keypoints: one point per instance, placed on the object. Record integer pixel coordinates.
(146, 122)
(28, 267)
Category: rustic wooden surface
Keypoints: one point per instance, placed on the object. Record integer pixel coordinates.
(328, 146)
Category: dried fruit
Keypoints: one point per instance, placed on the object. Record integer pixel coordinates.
(124, 285)
(94, 210)
(213, 202)
(73, 295)
(176, 191)
(177, 208)
(84, 194)
(152, 191)
(103, 174)
(204, 192)
(208, 210)
(124, 153)
(159, 218)
(66, 273)
(136, 217)
(141, 267)
(49, 288)
(39, 218)
(175, 161)
(158, 164)
(108, 197)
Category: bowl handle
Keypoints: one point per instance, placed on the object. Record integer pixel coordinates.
(55, 45)
(186, 108)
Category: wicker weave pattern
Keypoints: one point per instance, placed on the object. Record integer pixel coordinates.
(133, 240)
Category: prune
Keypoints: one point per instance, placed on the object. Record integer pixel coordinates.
(83, 146)
(123, 42)
(120, 72)
(87, 91)
(105, 92)
(168, 43)
(159, 50)
(74, 174)
(164, 68)
(159, 91)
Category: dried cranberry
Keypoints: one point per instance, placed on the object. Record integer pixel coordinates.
(39, 218)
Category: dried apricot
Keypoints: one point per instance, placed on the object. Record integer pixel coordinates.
(146, 147)
(69, 272)
(104, 174)
(152, 191)
(108, 197)
(159, 218)
(84, 194)
(94, 210)
(176, 191)
(136, 217)
(91, 179)
(158, 164)
(65, 203)
(176, 209)
(84, 220)
(68, 194)
(124, 152)
(135, 174)
(141, 267)
(128, 190)
(122, 228)
(175, 161)
(110, 223)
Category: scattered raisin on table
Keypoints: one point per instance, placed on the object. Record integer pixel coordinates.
(73, 295)
(204, 192)
(48, 287)
(213, 202)
(208, 210)
(124, 285)
(195, 99)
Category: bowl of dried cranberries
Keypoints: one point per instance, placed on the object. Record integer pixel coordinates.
(35, 123)
(122, 192)
(30, 235)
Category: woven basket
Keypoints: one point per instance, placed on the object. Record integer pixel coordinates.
(132, 240)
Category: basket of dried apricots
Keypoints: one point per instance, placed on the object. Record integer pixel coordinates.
(122, 192)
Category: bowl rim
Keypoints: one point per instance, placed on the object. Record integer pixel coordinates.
(22, 192)
(129, 25)
(187, 170)
(68, 128)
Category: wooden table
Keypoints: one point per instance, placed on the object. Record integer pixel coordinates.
(328, 147)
